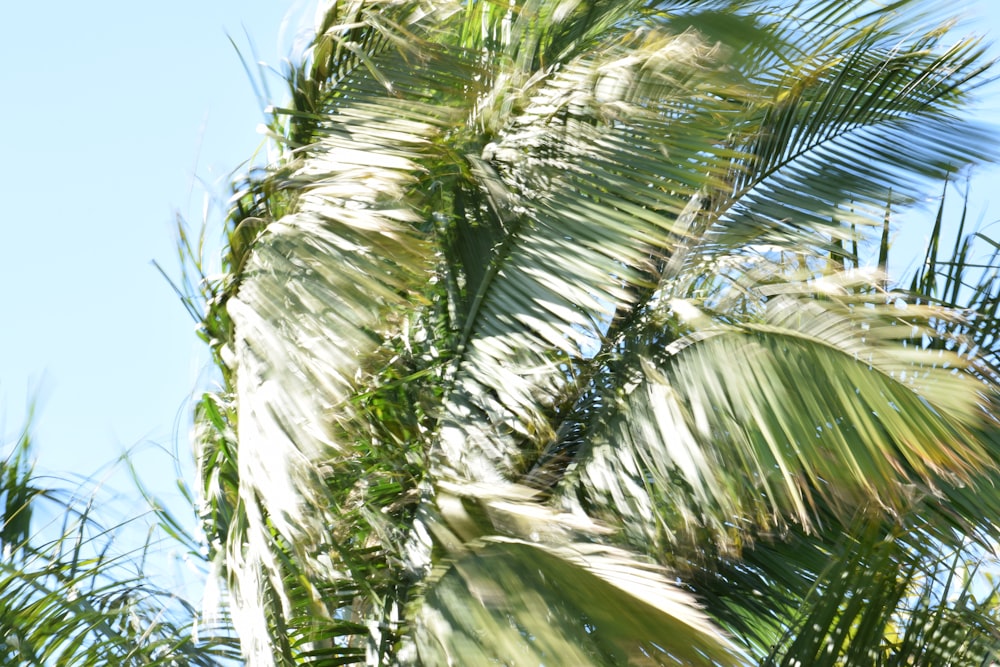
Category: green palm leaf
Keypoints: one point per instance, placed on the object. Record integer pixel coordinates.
(70, 596)
(546, 592)
(803, 395)
(585, 247)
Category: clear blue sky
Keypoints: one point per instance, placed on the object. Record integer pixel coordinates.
(115, 111)
(115, 114)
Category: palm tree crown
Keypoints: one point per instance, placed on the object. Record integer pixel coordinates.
(547, 339)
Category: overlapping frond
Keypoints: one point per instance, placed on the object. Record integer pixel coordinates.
(873, 594)
(322, 284)
(815, 389)
(586, 247)
(70, 595)
(525, 582)
(924, 574)
(582, 204)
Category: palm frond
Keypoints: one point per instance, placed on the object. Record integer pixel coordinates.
(862, 113)
(876, 593)
(529, 584)
(879, 603)
(70, 595)
(586, 247)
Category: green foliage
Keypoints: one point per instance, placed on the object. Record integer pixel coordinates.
(541, 342)
(70, 596)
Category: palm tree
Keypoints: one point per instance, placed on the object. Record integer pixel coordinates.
(547, 338)
(69, 593)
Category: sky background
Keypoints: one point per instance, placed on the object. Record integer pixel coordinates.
(119, 116)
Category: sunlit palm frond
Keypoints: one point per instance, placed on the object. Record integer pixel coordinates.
(581, 205)
(524, 582)
(325, 284)
(914, 587)
(320, 289)
(69, 594)
(864, 110)
(820, 388)
(586, 247)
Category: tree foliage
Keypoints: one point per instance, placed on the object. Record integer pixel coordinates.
(71, 594)
(548, 337)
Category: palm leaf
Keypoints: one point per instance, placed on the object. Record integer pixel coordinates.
(549, 596)
(69, 595)
(585, 246)
(877, 593)
(759, 416)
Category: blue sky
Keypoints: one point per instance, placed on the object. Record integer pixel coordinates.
(119, 115)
